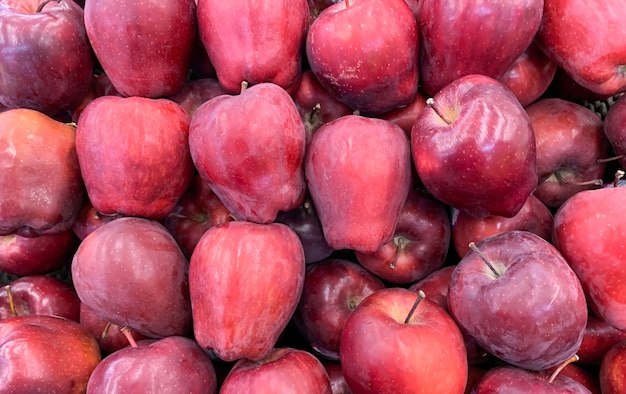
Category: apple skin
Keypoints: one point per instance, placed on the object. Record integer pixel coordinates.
(358, 204)
(474, 148)
(196, 92)
(405, 116)
(534, 216)
(108, 335)
(145, 54)
(378, 42)
(126, 164)
(245, 281)
(614, 129)
(47, 354)
(333, 288)
(46, 59)
(569, 139)
(284, 370)
(380, 353)
(254, 42)
(574, 47)
(132, 273)
(38, 155)
(500, 31)
(245, 145)
(338, 383)
(89, 219)
(38, 255)
(587, 378)
(172, 364)
(598, 339)
(513, 380)
(588, 232)
(419, 245)
(532, 314)
(612, 370)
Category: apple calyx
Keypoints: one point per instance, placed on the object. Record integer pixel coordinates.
(443, 115)
(401, 243)
(560, 177)
(129, 335)
(7, 288)
(43, 4)
(491, 267)
(565, 363)
(420, 296)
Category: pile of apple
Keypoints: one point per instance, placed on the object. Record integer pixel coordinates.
(366, 196)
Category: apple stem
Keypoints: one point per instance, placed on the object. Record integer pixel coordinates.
(565, 363)
(619, 174)
(608, 159)
(7, 288)
(129, 335)
(43, 4)
(105, 330)
(420, 296)
(244, 86)
(561, 179)
(480, 254)
(401, 243)
(431, 103)
(313, 118)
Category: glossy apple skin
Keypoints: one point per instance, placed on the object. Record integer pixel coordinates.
(36, 255)
(598, 339)
(533, 315)
(588, 233)
(145, 54)
(587, 378)
(108, 335)
(512, 380)
(534, 216)
(172, 364)
(419, 245)
(358, 172)
(574, 46)
(46, 354)
(480, 157)
(244, 146)
(333, 288)
(284, 370)
(245, 282)
(89, 219)
(570, 140)
(405, 116)
(615, 129)
(500, 32)
(38, 155)
(530, 75)
(196, 92)
(38, 72)
(378, 42)
(39, 295)
(251, 41)
(338, 383)
(126, 164)
(132, 273)
(612, 370)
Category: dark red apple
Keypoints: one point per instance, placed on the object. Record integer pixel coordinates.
(513, 380)
(614, 127)
(599, 337)
(109, 336)
(612, 376)
(89, 219)
(196, 92)
(338, 383)
(405, 116)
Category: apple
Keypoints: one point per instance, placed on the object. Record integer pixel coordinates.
(134, 155)
(144, 47)
(109, 336)
(464, 37)
(41, 169)
(614, 129)
(519, 299)
(574, 47)
(47, 354)
(419, 245)
(254, 41)
(89, 219)
(132, 273)
(196, 92)
(46, 59)
(612, 370)
(586, 377)
(474, 148)
(365, 53)
(358, 172)
(570, 147)
(599, 337)
(172, 364)
(386, 338)
(513, 380)
(588, 232)
(38, 255)
(534, 216)
(250, 149)
(333, 288)
(245, 281)
(338, 383)
(405, 116)
(284, 370)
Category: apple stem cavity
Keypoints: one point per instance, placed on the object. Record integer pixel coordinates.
(480, 254)
(129, 335)
(559, 176)
(431, 103)
(313, 119)
(401, 244)
(43, 4)
(420, 296)
(7, 288)
(565, 363)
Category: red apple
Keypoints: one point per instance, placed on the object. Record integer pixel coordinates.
(474, 148)
(612, 370)
(464, 37)
(196, 92)
(89, 219)
(419, 245)
(134, 155)
(358, 173)
(405, 116)
(615, 129)
(513, 380)
(365, 53)
(144, 46)
(245, 282)
(599, 337)
(338, 383)
(517, 296)
(587, 378)
(41, 171)
(109, 336)
(386, 338)
(565, 87)
(250, 149)
(46, 59)
(254, 41)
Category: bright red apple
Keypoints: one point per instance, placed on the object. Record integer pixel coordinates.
(599, 337)
(612, 370)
